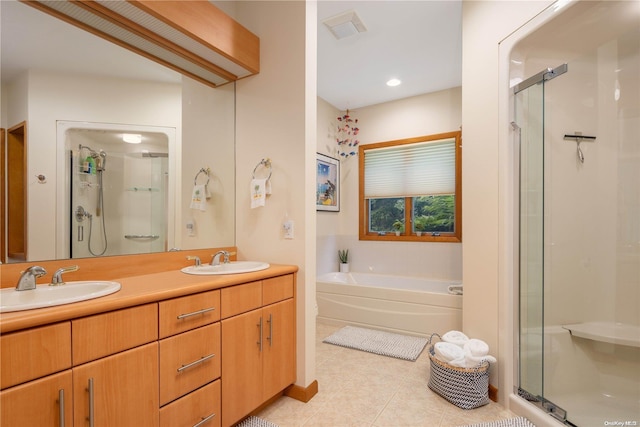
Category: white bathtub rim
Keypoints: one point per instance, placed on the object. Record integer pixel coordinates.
(437, 299)
(351, 278)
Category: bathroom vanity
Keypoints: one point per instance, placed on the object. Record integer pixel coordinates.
(168, 349)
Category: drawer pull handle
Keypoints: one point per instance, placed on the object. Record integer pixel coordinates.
(61, 401)
(270, 337)
(203, 359)
(259, 325)
(204, 420)
(91, 399)
(195, 313)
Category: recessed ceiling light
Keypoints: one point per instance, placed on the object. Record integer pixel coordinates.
(393, 82)
(132, 138)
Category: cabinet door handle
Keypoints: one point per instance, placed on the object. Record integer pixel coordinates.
(195, 313)
(204, 420)
(61, 401)
(197, 362)
(270, 337)
(260, 329)
(91, 399)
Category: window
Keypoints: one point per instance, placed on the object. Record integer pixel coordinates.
(411, 189)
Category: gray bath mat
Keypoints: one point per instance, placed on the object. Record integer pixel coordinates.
(509, 422)
(378, 342)
(255, 422)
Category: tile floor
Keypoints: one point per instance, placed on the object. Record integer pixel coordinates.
(359, 389)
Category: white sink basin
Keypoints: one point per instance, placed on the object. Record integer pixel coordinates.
(232, 267)
(49, 296)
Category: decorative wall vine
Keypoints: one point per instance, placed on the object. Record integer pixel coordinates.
(346, 135)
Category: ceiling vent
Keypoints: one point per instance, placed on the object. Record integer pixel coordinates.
(345, 24)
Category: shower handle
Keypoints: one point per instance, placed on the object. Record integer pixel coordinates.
(81, 214)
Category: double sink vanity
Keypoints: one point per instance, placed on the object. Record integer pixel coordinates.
(203, 346)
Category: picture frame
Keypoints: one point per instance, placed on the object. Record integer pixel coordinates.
(327, 183)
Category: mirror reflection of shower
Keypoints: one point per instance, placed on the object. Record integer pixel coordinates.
(122, 208)
(93, 162)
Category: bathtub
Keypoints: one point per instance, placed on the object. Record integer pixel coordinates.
(413, 305)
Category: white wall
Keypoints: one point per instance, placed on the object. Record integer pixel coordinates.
(410, 117)
(273, 118)
(208, 141)
(486, 198)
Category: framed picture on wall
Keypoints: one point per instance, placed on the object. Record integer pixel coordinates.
(327, 183)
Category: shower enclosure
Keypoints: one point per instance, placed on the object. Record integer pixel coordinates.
(118, 192)
(576, 123)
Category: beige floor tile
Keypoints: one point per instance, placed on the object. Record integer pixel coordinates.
(358, 389)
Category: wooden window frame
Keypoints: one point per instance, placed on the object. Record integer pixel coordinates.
(408, 234)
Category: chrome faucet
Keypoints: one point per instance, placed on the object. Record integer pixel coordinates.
(28, 278)
(196, 259)
(56, 280)
(215, 260)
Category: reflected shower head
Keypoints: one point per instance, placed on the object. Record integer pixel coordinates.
(102, 160)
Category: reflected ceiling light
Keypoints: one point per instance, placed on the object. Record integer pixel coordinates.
(345, 24)
(132, 138)
(393, 82)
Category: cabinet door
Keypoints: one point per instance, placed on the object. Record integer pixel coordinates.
(119, 390)
(38, 403)
(279, 365)
(241, 366)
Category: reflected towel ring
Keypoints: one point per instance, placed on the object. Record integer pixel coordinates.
(204, 171)
(267, 164)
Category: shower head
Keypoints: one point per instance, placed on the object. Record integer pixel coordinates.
(102, 160)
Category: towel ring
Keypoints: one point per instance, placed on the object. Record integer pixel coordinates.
(204, 171)
(267, 164)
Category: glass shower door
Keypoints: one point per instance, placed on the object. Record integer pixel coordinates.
(529, 129)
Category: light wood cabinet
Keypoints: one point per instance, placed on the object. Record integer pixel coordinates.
(44, 402)
(188, 361)
(202, 406)
(169, 363)
(34, 353)
(108, 333)
(258, 359)
(241, 365)
(279, 365)
(119, 390)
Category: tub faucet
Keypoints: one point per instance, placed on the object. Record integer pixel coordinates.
(215, 260)
(56, 280)
(28, 278)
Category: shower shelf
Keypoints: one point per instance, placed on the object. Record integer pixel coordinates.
(614, 333)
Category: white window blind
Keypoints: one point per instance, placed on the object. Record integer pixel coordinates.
(410, 170)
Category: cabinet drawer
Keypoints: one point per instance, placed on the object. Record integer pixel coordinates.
(108, 333)
(202, 404)
(188, 361)
(34, 353)
(277, 289)
(240, 299)
(185, 313)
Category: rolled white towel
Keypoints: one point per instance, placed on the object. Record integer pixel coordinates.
(459, 363)
(472, 361)
(455, 337)
(447, 352)
(476, 347)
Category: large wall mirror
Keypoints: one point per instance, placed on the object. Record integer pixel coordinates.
(68, 97)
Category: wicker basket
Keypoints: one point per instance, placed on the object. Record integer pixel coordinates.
(467, 388)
